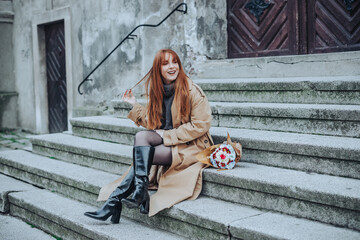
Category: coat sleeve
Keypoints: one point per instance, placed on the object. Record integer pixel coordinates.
(138, 115)
(199, 124)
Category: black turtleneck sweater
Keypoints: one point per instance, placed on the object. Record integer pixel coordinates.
(166, 121)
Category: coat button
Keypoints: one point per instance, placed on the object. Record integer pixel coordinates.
(206, 141)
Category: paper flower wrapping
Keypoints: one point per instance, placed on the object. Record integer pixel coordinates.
(223, 157)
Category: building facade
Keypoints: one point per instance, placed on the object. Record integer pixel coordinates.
(50, 46)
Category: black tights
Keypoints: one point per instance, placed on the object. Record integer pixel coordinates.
(162, 155)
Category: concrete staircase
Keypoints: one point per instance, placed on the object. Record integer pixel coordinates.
(299, 177)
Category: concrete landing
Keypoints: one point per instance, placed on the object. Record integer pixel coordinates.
(12, 228)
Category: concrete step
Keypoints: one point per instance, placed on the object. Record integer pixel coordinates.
(309, 65)
(107, 128)
(122, 109)
(305, 152)
(337, 120)
(66, 217)
(7, 186)
(106, 156)
(314, 153)
(63, 218)
(312, 90)
(328, 199)
(323, 119)
(318, 197)
(14, 228)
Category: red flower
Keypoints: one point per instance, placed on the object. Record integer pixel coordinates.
(222, 156)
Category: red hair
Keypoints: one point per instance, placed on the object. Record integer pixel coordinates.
(155, 90)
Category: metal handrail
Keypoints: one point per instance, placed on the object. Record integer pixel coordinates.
(131, 36)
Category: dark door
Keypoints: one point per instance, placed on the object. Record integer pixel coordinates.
(283, 27)
(56, 77)
(259, 28)
(333, 25)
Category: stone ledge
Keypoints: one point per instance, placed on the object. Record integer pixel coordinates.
(313, 90)
(6, 17)
(328, 64)
(286, 110)
(329, 83)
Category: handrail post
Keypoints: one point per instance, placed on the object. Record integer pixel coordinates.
(132, 36)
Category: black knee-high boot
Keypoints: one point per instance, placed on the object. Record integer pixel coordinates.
(113, 207)
(143, 157)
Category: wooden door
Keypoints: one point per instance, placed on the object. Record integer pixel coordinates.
(259, 28)
(56, 77)
(284, 27)
(333, 25)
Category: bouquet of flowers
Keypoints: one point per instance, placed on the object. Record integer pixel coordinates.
(222, 156)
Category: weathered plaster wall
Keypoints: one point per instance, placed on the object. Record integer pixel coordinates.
(199, 35)
(97, 27)
(104, 25)
(7, 82)
(168, 35)
(205, 32)
(196, 36)
(23, 64)
(8, 95)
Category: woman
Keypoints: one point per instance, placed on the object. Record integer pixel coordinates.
(178, 119)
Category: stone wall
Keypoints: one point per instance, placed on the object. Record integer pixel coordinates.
(96, 27)
(8, 94)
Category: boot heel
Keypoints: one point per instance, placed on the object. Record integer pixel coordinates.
(115, 218)
(144, 207)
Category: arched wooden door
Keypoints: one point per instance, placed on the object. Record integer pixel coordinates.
(284, 27)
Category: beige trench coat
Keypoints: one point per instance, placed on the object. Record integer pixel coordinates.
(183, 179)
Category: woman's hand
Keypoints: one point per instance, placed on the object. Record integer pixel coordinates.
(129, 97)
(160, 132)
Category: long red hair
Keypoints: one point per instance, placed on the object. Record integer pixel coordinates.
(155, 90)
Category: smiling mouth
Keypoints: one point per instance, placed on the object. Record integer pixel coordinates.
(172, 72)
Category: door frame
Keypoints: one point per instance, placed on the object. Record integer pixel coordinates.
(39, 65)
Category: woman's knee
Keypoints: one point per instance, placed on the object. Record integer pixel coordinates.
(145, 138)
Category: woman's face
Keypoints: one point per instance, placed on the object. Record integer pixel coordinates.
(169, 68)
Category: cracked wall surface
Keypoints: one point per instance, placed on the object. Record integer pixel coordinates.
(97, 27)
(199, 37)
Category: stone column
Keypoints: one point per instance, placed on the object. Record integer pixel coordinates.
(8, 94)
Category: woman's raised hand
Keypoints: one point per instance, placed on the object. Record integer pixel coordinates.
(129, 97)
